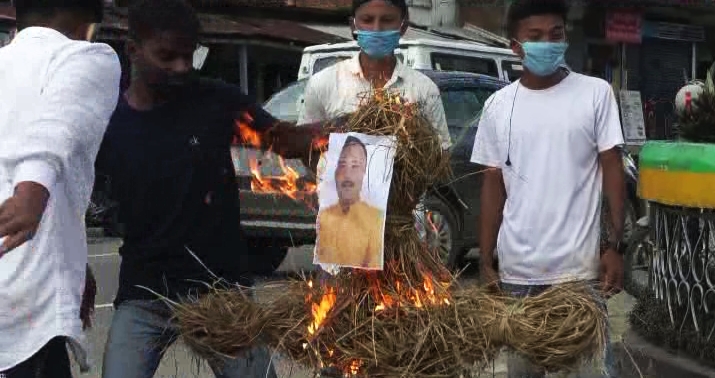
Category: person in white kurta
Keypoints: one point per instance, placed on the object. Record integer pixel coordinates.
(339, 89)
(57, 93)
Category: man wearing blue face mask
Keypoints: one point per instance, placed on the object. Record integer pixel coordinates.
(337, 90)
(552, 140)
(377, 25)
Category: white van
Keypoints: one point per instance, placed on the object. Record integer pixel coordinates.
(424, 54)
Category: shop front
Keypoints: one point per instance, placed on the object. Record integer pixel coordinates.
(647, 54)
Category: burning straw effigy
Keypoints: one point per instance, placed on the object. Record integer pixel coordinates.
(410, 320)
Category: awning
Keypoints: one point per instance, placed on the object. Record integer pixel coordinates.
(226, 26)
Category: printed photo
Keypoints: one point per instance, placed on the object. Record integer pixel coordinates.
(353, 189)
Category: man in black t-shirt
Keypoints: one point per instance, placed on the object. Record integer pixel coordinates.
(167, 152)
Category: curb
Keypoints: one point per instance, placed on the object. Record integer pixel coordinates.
(637, 357)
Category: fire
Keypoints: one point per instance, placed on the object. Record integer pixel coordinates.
(288, 182)
(354, 367)
(417, 297)
(248, 135)
(430, 293)
(320, 310)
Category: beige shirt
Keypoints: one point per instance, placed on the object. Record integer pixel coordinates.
(353, 238)
(338, 89)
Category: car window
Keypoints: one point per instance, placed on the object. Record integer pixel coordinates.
(323, 63)
(463, 105)
(4, 38)
(449, 62)
(513, 69)
(284, 104)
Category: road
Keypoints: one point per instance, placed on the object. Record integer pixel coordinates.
(178, 362)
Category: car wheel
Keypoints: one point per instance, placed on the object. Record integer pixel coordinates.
(442, 232)
(636, 263)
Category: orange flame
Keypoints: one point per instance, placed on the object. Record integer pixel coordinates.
(430, 293)
(320, 310)
(417, 297)
(288, 182)
(354, 367)
(248, 135)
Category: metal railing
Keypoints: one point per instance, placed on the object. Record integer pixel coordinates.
(682, 269)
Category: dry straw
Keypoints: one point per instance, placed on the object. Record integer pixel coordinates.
(411, 319)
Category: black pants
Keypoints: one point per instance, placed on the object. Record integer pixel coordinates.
(52, 361)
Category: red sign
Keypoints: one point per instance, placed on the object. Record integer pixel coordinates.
(624, 27)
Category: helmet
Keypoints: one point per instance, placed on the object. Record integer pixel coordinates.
(687, 95)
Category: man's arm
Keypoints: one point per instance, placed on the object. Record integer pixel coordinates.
(283, 138)
(493, 195)
(70, 117)
(434, 110)
(609, 138)
(492, 199)
(614, 188)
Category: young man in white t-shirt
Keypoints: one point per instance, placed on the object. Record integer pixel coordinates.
(552, 140)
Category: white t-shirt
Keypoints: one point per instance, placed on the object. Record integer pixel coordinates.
(550, 229)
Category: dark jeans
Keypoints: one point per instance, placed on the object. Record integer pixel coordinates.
(519, 367)
(51, 361)
(141, 332)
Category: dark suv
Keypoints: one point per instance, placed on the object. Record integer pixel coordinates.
(276, 222)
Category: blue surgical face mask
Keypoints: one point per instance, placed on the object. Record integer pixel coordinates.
(378, 44)
(543, 58)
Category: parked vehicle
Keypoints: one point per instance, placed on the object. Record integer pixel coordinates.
(424, 54)
(637, 259)
(102, 211)
(452, 207)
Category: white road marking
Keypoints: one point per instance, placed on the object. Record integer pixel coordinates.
(273, 224)
(104, 255)
(104, 305)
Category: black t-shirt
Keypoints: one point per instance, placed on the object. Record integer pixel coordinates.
(171, 171)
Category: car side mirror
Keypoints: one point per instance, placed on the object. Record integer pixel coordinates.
(200, 55)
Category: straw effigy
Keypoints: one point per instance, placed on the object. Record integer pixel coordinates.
(411, 319)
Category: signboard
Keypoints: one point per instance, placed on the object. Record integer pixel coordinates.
(624, 27)
(632, 118)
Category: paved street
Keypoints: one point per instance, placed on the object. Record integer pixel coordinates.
(178, 362)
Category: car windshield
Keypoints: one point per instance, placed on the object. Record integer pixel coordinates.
(285, 105)
(463, 105)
